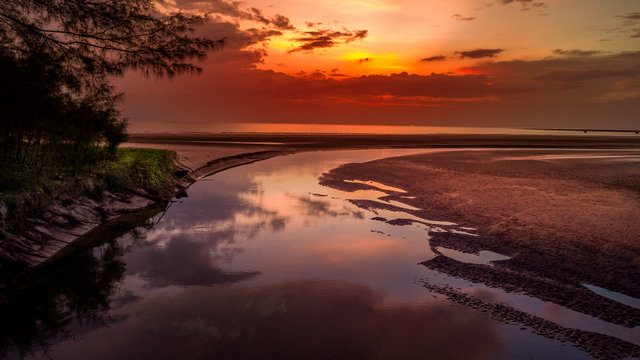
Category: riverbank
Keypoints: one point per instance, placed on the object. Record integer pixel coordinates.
(79, 209)
(224, 234)
(39, 220)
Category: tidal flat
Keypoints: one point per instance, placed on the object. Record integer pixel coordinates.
(440, 253)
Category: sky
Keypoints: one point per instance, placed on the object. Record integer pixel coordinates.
(493, 63)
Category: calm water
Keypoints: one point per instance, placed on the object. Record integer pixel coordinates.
(275, 128)
(261, 261)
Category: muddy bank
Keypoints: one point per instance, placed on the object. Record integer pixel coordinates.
(229, 162)
(565, 217)
(71, 212)
(571, 296)
(599, 346)
(81, 208)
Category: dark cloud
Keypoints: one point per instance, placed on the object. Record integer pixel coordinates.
(528, 5)
(585, 75)
(588, 78)
(358, 34)
(335, 73)
(407, 85)
(236, 42)
(479, 53)
(326, 38)
(363, 60)
(525, 3)
(434, 58)
(317, 38)
(633, 16)
(282, 22)
(576, 52)
(232, 9)
(311, 43)
(485, 80)
(462, 18)
(314, 75)
(630, 24)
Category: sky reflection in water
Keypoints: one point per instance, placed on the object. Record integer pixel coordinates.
(261, 261)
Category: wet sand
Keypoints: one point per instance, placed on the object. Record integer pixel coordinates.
(571, 219)
(567, 218)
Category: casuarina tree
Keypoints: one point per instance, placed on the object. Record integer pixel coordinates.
(57, 58)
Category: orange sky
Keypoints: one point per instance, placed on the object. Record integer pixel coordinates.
(518, 63)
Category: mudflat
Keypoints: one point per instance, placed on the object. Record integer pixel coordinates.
(567, 218)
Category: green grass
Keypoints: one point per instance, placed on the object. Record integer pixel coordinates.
(140, 169)
(143, 171)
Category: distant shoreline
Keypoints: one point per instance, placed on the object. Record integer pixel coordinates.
(591, 130)
(195, 128)
(278, 141)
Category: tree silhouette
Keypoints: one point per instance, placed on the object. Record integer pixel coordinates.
(104, 36)
(56, 60)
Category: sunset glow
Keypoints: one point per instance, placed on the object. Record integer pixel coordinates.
(518, 63)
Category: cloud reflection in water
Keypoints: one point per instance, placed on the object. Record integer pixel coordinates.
(304, 319)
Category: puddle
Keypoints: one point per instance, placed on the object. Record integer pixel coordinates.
(376, 185)
(547, 310)
(484, 257)
(615, 296)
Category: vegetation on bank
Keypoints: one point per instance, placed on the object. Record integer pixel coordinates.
(60, 125)
(59, 117)
(147, 172)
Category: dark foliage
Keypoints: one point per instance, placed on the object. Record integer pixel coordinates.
(57, 109)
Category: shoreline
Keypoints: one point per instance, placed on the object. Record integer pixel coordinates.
(563, 222)
(290, 144)
(263, 141)
(37, 224)
(569, 295)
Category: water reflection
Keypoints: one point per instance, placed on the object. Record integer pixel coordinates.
(261, 261)
(58, 299)
(184, 262)
(291, 320)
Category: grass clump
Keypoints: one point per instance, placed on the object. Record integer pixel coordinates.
(148, 170)
(25, 193)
